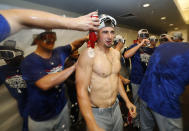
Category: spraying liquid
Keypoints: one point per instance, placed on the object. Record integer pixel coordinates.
(92, 40)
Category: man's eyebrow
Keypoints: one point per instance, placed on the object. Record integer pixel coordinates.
(104, 31)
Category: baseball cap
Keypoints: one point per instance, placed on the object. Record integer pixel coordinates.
(177, 36)
(143, 33)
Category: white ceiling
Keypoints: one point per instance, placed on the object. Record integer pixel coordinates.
(183, 7)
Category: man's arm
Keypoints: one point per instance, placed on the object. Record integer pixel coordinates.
(21, 18)
(83, 78)
(78, 43)
(130, 106)
(169, 38)
(124, 80)
(129, 53)
(51, 80)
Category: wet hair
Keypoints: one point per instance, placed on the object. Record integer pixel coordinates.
(43, 36)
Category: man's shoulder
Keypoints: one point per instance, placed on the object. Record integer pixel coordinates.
(133, 45)
(66, 50)
(87, 55)
(31, 58)
(3, 67)
(115, 52)
(65, 47)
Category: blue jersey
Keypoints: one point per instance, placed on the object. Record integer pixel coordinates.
(12, 78)
(139, 63)
(44, 105)
(166, 76)
(4, 28)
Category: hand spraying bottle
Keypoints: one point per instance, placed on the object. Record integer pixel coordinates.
(92, 40)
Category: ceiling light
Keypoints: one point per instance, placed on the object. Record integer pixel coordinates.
(171, 24)
(183, 7)
(146, 5)
(163, 18)
(176, 28)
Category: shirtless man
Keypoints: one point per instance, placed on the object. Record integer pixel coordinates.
(98, 82)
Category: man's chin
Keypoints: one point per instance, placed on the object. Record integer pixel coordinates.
(108, 45)
(49, 49)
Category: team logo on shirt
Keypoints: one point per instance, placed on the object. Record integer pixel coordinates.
(145, 58)
(15, 81)
(55, 69)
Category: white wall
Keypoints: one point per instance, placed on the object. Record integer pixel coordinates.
(184, 33)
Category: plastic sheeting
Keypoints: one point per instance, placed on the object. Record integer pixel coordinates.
(10, 120)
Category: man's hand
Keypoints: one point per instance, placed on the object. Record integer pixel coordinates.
(144, 41)
(126, 81)
(86, 22)
(132, 109)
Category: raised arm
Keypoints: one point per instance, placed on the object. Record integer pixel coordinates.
(129, 53)
(169, 38)
(51, 80)
(78, 43)
(83, 78)
(20, 18)
(130, 106)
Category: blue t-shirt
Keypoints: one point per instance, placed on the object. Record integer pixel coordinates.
(166, 76)
(4, 28)
(139, 63)
(11, 76)
(44, 105)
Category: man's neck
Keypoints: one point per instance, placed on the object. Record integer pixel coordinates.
(46, 54)
(103, 48)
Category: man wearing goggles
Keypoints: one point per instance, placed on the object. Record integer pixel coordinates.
(177, 37)
(12, 78)
(44, 73)
(153, 41)
(139, 53)
(165, 38)
(98, 82)
(143, 33)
